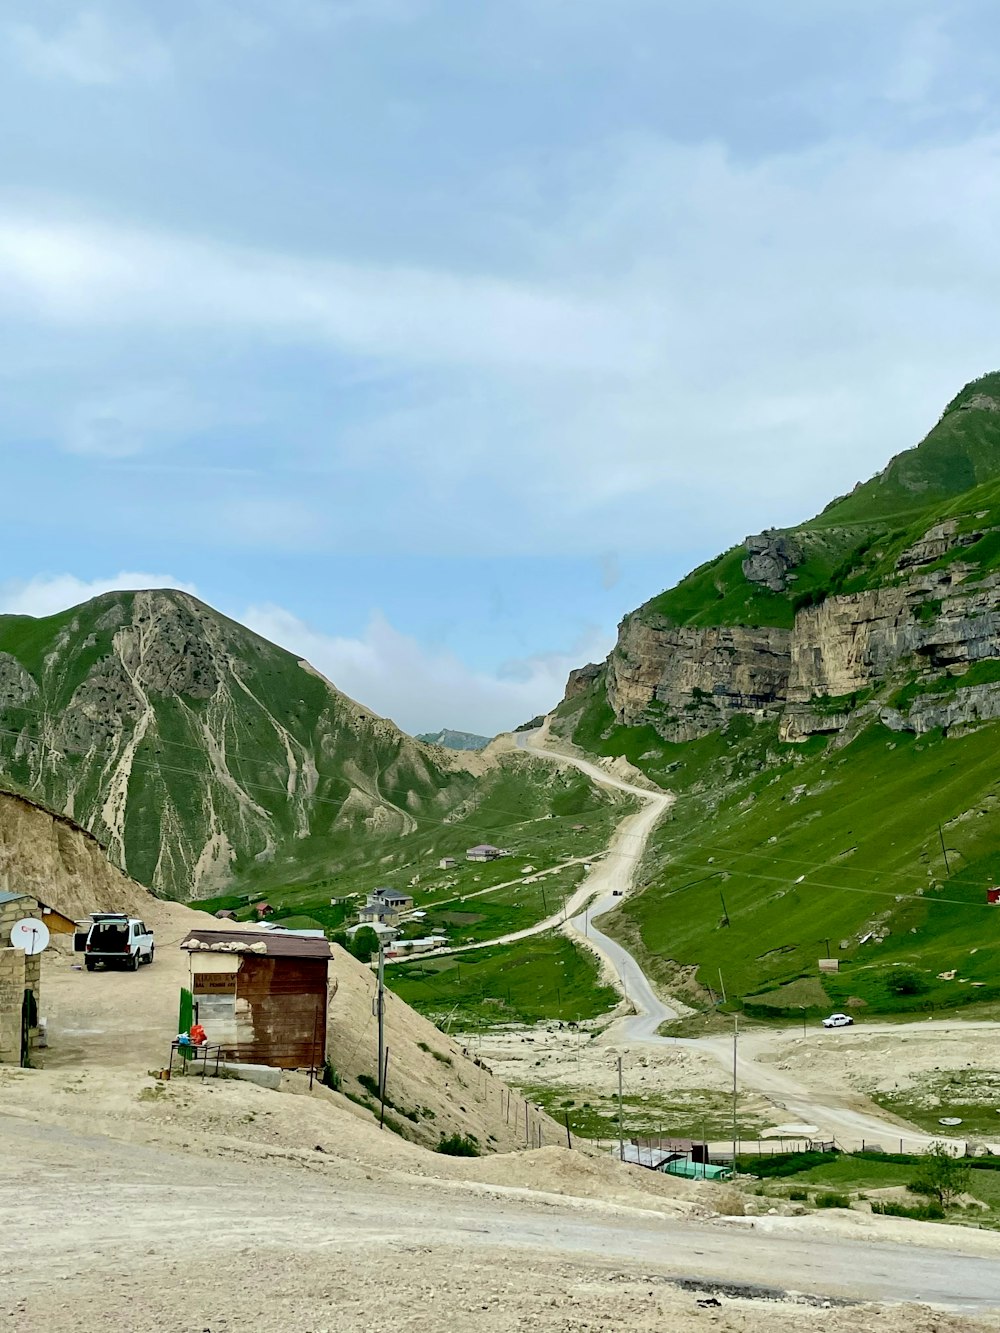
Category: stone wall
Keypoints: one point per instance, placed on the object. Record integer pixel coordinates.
(18, 973)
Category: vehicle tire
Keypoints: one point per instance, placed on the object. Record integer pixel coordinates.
(90, 965)
(149, 956)
(133, 963)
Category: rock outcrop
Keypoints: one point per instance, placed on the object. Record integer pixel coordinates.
(686, 680)
(771, 557)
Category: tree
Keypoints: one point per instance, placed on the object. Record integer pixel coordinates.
(905, 981)
(364, 944)
(941, 1175)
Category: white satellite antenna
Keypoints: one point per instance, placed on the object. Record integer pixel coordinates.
(30, 935)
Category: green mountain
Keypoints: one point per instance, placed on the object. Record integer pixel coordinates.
(455, 740)
(824, 700)
(212, 764)
(193, 749)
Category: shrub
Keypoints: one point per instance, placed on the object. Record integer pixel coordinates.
(832, 1201)
(798, 1194)
(458, 1145)
(921, 1212)
(783, 1163)
(330, 1078)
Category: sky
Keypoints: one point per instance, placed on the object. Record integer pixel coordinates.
(428, 338)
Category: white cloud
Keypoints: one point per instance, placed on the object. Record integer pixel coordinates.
(423, 689)
(101, 277)
(90, 49)
(47, 594)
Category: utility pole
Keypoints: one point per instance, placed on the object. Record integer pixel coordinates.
(722, 986)
(380, 1015)
(621, 1118)
(803, 1020)
(725, 910)
(736, 1033)
(944, 849)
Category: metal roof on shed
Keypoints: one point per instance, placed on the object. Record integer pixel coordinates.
(263, 944)
(12, 897)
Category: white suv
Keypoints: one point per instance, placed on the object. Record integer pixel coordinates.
(838, 1021)
(117, 940)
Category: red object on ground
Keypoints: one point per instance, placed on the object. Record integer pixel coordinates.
(993, 897)
(197, 1035)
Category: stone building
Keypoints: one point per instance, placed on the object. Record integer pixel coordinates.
(20, 982)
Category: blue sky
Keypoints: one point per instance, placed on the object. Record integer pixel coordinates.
(429, 337)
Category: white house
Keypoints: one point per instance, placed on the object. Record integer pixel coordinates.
(484, 852)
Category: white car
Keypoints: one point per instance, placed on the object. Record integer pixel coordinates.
(838, 1021)
(117, 940)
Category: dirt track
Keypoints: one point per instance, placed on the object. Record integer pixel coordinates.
(101, 1235)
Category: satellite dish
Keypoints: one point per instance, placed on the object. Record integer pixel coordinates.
(29, 935)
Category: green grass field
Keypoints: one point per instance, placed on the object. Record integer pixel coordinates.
(545, 976)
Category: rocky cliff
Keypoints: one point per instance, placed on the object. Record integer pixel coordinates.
(818, 625)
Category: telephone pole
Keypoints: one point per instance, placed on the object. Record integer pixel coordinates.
(380, 1015)
(621, 1119)
(736, 1033)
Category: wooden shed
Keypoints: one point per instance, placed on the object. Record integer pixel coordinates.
(261, 995)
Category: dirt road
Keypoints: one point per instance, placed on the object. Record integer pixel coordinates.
(105, 1234)
(851, 1119)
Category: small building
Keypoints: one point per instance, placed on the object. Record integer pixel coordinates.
(224, 914)
(579, 828)
(385, 933)
(484, 852)
(20, 981)
(401, 948)
(447, 863)
(262, 996)
(263, 909)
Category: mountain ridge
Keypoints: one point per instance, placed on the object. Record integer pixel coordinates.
(781, 689)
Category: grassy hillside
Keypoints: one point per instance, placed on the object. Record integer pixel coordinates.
(778, 852)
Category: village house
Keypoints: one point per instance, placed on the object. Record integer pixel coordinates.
(386, 906)
(404, 947)
(484, 852)
(263, 909)
(262, 996)
(447, 863)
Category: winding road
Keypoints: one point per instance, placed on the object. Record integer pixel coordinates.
(848, 1117)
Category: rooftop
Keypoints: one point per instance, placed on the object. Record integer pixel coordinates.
(265, 944)
(12, 897)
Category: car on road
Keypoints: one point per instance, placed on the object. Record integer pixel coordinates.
(118, 940)
(838, 1021)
